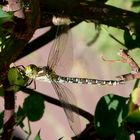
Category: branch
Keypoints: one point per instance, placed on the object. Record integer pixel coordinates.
(91, 11)
(51, 100)
(42, 40)
(135, 69)
(9, 120)
(89, 133)
(126, 58)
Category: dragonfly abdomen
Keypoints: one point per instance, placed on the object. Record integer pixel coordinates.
(76, 80)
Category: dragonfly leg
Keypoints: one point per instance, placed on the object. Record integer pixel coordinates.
(30, 82)
(20, 66)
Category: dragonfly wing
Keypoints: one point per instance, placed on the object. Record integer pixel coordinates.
(58, 47)
(67, 99)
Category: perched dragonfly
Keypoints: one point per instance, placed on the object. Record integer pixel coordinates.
(48, 74)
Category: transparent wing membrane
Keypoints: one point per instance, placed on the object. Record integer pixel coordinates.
(65, 95)
(67, 99)
(58, 47)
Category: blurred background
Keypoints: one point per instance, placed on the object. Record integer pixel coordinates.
(80, 60)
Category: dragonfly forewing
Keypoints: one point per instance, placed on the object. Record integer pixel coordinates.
(64, 94)
(58, 48)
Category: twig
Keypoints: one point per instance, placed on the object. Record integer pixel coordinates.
(42, 40)
(88, 133)
(51, 100)
(9, 98)
(128, 59)
(129, 76)
(92, 11)
(135, 73)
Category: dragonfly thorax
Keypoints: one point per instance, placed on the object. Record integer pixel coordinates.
(31, 71)
(39, 73)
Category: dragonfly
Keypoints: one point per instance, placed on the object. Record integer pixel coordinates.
(48, 74)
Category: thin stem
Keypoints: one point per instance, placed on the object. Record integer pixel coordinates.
(51, 100)
(135, 73)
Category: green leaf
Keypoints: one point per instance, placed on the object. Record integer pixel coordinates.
(134, 116)
(134, 106)
(132, 40)
(16, 79)
(137, 135)
(34, 107)
(109, 114)
(135, 6)
(135, 96)
(6, 26)
(122, 134)
(5, 17)
(37, 137)
(1, 120)
(129, 42)
(1, 91)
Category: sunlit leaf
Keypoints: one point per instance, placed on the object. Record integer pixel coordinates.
(34, 107)
(6, 25)
(5, 17)
(135, 97)
(135, 5)
(16, 79)
(134, 106)
(109, 114)
(137, 135)
(134, 116)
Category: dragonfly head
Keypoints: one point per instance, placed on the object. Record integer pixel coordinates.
(31, 71)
